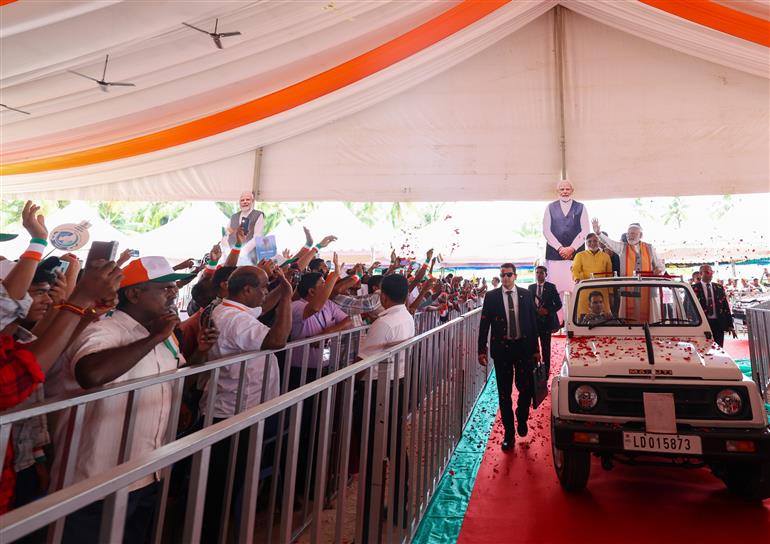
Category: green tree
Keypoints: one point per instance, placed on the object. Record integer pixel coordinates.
(642, 208)
(10, 212)
(152, 215)
(530, 230)
(112, 213)
(366, 212)
(676, 212)
(722, 207)
(432, 212)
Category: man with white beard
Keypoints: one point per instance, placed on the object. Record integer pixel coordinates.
(565, 227)
(635, 255)
(250, 222)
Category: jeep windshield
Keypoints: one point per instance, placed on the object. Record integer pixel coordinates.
(634, 304)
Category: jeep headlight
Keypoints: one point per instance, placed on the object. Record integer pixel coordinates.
(586, 397)
(729, 402)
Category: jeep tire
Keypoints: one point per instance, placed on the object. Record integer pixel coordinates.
(750, 481)
(573, 467)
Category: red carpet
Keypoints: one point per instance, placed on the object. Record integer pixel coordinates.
(517, 499)
(739, 349)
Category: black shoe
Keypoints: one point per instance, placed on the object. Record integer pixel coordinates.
(521, 428)
(508, 441)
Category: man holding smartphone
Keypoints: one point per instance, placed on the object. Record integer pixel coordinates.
(249, 221)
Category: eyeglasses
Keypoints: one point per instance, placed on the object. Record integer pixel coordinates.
(506, 274)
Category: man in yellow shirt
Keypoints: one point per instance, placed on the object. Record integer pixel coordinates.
(588, 262)
(591, 261)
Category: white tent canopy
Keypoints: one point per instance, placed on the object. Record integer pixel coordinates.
(190, 235)
(654, 104)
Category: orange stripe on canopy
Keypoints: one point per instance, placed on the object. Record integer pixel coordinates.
(4, 2)
(371, 62)
(717, 17)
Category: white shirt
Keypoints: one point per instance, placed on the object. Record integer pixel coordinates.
(103, 422)
(565, 208)
(515, 297)
(395, 325)
(708, 293)
(240, 331)
(619, 247)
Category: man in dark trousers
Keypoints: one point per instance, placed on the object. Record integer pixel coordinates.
(713, 300)
(547, 303)
(509, 312)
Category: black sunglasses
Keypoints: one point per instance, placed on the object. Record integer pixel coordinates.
(506, 274)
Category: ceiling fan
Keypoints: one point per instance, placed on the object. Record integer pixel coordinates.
(216, 36)
(104, 85)
(14, 109)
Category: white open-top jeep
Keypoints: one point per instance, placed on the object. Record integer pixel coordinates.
(644, 383)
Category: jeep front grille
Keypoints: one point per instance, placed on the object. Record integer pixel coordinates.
(690, 401)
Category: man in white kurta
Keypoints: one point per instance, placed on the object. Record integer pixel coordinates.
(643, 257)
(565, 227)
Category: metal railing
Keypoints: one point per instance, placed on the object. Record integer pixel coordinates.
(403, 434)
(758, 324)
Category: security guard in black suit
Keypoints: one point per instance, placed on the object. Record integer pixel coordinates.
(547, 303)
(509, 314)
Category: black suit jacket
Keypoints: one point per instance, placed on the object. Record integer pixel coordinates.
(493, 318)
(724, 315)
(552, 302)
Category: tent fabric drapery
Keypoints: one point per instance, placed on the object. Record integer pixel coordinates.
(177, 172)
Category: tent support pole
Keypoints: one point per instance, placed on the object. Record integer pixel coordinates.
(257, 174)
(558, 37)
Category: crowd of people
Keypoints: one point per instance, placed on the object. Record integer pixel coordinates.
(69, 327)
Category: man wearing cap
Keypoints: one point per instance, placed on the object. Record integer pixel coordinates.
(565, 226)
(136, 342)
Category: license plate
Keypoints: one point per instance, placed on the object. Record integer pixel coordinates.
(663, 443)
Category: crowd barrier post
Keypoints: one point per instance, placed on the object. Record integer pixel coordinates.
(758, 324)
(425, 390)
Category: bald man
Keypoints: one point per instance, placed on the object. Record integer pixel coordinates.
(565, 226)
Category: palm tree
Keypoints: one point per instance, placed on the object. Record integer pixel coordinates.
(529, 230)
(676, 212)
(366, 212)
(722, 207)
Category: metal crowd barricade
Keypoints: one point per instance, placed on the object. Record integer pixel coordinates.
(758, 324)
(406, 442)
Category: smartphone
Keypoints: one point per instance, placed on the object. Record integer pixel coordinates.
(205, 318)
(133, 252)
(101, 251)
(61, 267)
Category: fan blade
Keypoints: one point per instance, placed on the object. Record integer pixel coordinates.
(228, 34)
(119, 84)
(217, 41)
(196, 28)
(83, 75)
(104, 74)
(216, 25)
